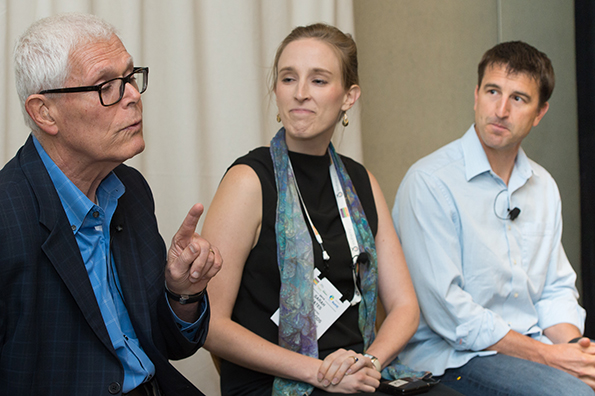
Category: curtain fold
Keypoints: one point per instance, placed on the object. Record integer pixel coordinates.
(208, 100)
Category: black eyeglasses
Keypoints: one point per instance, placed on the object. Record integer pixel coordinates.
(112, 91)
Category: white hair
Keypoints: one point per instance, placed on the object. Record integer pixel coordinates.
(42, 53)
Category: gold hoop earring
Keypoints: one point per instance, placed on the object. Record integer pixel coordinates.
(278, 118)
(345, 120)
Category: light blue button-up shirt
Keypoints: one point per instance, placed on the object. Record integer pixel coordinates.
(90, 226)
(478, 274)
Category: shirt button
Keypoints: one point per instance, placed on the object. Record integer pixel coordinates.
(509, 228)
(514, 262)
(114, 388)
(516, 295)
(73, 227)
(96, 214)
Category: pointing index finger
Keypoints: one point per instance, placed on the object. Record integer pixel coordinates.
(189, 224)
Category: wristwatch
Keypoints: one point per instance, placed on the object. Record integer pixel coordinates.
(375, 361)
(185, 298)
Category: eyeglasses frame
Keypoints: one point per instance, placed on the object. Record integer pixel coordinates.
(125, 79)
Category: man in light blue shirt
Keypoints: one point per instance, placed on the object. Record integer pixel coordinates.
(481, 225)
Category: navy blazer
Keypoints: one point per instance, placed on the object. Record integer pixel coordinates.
(53, 340)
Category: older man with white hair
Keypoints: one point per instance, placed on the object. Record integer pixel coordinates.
(91, 302)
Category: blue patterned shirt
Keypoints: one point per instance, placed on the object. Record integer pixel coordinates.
(90, 226)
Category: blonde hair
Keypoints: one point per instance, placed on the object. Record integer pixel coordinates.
(342, 43)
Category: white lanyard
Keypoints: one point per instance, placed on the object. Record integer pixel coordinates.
(344, 211)
(346, 221)
(348, 226)
(325, 255)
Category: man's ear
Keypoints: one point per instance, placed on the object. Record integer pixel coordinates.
(38, 108)
(540, 113)
(475, 96)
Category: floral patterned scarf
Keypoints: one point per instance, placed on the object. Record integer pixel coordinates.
(297, 327)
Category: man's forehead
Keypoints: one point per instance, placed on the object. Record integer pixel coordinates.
(510, 72)
(96, 58)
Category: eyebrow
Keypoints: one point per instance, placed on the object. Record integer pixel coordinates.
(320, 70)
(515, 93)
(315, 70)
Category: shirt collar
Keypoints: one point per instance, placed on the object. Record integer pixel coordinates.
(522, 171)
(476, 160)
(75, 203)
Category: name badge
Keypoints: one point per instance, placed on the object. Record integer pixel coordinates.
(328, 306)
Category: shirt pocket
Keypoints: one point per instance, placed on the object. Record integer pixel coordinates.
(538, 244)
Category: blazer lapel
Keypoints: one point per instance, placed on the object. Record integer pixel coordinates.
(126, 258)
(61, 247)
(62, 250)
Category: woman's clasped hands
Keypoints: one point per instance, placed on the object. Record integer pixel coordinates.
(346, 371)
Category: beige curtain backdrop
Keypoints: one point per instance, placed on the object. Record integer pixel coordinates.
(208, 100)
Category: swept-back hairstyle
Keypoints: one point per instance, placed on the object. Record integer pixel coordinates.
(42, 53)
(520, 57)
(342, 44)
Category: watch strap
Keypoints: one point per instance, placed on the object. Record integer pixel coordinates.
(185, 298)
(375, 361)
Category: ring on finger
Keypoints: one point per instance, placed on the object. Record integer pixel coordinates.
(355, 359)
(211, 251)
